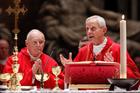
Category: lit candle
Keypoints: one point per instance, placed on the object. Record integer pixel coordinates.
(123, 63)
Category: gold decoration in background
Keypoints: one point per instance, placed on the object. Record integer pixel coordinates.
(16, 11)
(15, 77)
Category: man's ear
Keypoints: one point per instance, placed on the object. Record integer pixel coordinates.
(105, 29)
(45, 43)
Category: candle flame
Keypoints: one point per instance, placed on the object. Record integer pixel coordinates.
(123, 16)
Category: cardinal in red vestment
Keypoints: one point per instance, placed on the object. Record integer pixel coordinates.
(100, 47)
(32, 61)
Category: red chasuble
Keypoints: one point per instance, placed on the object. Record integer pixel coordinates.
(26, 68)
(86, 54)
(1, 68)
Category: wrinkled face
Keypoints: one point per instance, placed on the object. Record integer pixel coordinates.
(4, 49)
(94, 32)
(35, 44)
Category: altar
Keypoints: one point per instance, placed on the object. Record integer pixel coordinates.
(82, 77)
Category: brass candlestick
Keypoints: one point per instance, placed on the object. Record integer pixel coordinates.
(14, 83)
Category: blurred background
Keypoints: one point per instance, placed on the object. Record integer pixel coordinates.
(62, 22)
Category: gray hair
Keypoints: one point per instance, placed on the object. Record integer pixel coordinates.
(100, 20)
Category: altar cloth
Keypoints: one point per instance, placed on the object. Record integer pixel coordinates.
(90, 72)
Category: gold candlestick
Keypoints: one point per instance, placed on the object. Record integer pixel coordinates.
(15, 77)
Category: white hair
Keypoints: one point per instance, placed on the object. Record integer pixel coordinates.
(32, 32)
(101, 20)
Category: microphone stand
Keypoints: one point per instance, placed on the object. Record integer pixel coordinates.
(41, 81)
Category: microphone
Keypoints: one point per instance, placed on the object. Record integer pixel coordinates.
(42, 74)
(50, 56)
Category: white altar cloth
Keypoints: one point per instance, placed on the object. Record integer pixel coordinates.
(33, 89)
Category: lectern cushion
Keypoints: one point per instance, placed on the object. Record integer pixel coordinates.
(90, 73)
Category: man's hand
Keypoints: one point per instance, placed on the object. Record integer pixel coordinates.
(108, 57)
(37, 67)
(64, 60)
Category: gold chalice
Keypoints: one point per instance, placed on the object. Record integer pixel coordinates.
(42, 78)
(12, 79)
(56, 71)
(14, 83)
(5, 77)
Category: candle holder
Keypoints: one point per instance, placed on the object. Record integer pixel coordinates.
(127, 84)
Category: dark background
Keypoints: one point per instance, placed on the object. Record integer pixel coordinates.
(31, 19)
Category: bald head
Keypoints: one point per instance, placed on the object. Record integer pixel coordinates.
(34, 33)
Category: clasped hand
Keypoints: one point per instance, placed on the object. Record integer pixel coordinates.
(37, 67)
